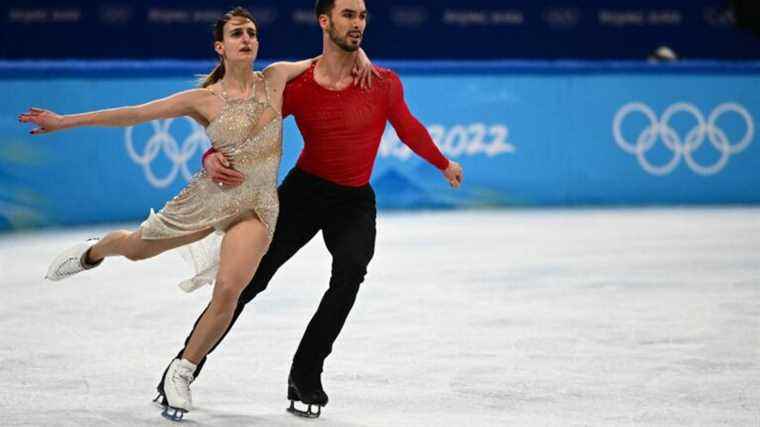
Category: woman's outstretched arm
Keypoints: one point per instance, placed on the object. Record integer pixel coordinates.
(285, 71)
(180, 104)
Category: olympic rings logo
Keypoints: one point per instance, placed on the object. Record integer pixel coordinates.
(682, 147)
(163, 141)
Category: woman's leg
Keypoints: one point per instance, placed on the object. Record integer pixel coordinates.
(243, 246)
(131, 245)
(87, 255)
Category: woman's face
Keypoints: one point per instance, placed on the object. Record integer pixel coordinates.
(240, 42)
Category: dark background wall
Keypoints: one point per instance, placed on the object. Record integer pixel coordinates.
(399, 29)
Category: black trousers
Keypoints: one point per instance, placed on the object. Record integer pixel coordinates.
(346, 217)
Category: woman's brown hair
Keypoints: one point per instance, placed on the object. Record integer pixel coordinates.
(218, 72)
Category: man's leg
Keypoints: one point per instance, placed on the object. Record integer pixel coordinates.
(297, 223)
(350, 238)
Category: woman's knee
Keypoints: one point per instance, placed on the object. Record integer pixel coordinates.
(227, 292)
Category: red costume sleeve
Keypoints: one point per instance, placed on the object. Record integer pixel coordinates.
(409, 129)
(206, 154)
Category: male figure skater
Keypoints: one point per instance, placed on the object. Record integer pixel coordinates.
(329, 189)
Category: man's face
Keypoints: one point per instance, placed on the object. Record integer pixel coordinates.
(346, 24)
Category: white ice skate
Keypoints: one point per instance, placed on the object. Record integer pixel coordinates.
(177, 389)
(71, 261)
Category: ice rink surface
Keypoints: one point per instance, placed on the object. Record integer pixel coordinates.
(642, 317)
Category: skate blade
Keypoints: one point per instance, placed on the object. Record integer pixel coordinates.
(308, 413)
(173, 414)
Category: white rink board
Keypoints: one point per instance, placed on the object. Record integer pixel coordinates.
(644, 317)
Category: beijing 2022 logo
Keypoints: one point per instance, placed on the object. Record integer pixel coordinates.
(162, 141)
(686, 144)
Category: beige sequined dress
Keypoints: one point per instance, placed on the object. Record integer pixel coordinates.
(249, 133)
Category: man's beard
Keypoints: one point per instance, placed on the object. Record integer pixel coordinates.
(341, 42)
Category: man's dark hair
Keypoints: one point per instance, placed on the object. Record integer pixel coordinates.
(323, 7)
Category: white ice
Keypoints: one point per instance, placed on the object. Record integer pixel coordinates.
(627, 317)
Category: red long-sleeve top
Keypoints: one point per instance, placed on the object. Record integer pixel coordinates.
(342, 129)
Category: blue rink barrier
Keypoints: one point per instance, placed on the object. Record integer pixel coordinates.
(527, 134)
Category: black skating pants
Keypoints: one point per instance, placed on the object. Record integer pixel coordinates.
(346, 217)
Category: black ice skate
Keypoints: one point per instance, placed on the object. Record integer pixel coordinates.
(308, 391)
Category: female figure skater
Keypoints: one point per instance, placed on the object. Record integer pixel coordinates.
(240, 109)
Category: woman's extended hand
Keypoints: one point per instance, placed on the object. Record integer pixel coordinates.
(46, 121)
